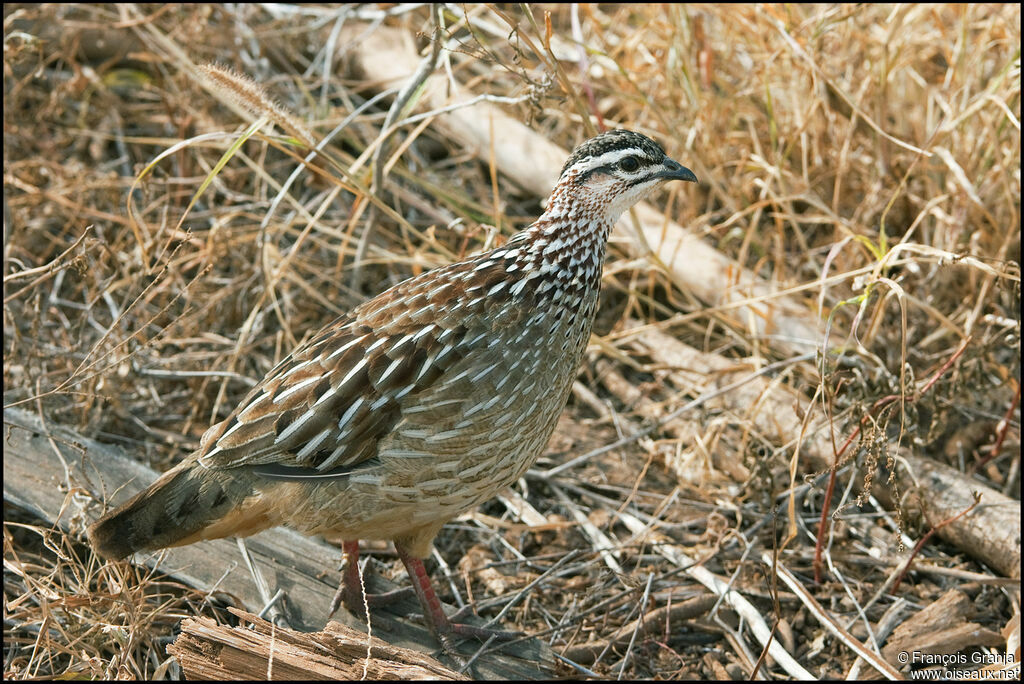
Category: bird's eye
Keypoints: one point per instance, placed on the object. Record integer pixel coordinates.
(629, 164)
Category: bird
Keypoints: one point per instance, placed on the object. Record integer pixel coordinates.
(419, 404)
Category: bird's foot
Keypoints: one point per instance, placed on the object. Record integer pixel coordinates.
(483, 633)
(450, 633)
(353, 599)
(351, 591)
(445, 629)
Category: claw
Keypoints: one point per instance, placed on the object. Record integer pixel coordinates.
(351, 593)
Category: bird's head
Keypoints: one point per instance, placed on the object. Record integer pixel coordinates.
(611, 172)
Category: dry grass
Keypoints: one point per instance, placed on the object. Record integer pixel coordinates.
(872, 148)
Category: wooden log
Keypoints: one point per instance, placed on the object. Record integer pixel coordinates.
(258, 649)
(941, 628)
(60, 476)
(989, 533)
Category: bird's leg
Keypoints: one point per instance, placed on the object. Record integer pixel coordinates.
(438, 622)
(351, 592)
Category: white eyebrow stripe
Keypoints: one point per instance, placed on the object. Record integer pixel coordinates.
(611, 157)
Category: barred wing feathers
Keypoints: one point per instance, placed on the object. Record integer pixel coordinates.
(327, 406)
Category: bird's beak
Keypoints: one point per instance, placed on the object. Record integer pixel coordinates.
(676, 171)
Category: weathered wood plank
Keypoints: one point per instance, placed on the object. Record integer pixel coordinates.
(257, 650)
(38, 478)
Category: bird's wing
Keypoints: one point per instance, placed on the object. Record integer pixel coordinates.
(326, 406)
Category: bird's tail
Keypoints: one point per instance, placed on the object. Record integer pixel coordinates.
(185, 504)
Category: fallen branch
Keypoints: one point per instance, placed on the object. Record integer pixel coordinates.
(257, 650)
(940, 628)
(650, 624)
(826, 620)
(720, 588)
(991, 533)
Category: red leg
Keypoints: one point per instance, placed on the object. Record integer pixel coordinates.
(350, 591)
(438, 622)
